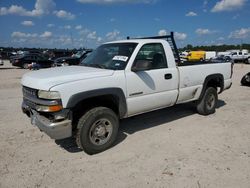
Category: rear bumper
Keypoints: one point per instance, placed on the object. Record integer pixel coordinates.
(55, 130)
(228, 84)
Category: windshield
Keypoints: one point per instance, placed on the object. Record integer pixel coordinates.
(78, 54)
(113, 56)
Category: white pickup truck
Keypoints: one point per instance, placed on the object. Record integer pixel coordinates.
(239, 56)
(118, 80)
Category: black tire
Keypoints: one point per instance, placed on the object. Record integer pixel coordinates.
(248, 61)
(208, 102)
(245, 81)
(97, 130)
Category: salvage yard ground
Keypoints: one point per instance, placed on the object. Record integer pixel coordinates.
(173, 147)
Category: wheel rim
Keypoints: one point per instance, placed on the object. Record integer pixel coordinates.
(247, 78)
(25, 66)
(210, 102)
(100, 132)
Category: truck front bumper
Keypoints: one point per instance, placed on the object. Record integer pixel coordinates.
(55, 130)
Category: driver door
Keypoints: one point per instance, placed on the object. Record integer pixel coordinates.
(154, 88)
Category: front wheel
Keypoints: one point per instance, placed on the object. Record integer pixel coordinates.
(97, 130)
(65, 64)
(208, 102)
(248, 61)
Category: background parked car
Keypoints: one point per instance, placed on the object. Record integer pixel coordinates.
(240, 56)
(221, 59)
(75, 59)
(20, 54)
(24, 61)
(1, 61)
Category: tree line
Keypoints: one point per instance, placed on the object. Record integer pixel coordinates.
(217, 48)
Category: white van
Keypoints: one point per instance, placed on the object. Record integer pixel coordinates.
(210, 55)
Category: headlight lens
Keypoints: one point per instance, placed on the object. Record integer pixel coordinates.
(48, 94)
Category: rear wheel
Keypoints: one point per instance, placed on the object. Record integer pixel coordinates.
(25, 65)
(208, 102)
(97, 130)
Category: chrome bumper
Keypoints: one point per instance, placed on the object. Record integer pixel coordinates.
(55, 130)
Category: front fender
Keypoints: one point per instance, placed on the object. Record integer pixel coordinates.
(117, 92)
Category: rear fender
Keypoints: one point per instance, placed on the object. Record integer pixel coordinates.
(213, 80)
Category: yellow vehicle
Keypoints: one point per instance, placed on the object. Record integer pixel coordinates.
(196, 56)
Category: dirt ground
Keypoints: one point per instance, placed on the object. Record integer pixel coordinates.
(173, 147)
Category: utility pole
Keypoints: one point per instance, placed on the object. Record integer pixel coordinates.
(72, 41)
(241, 44)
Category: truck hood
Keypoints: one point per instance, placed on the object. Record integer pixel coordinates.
(47, 78)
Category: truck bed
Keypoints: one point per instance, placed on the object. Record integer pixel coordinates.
(192, 76)
(191, 63)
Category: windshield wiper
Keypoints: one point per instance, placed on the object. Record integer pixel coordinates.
(95, 65)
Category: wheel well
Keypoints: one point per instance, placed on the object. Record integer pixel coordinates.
(83, 106)
(215, 83)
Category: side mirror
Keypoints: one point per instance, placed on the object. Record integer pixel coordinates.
(141, 65)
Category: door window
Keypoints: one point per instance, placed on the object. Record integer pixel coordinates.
(154, 53)
(33, 57)
(29, 58)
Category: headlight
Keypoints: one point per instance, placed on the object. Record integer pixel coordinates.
(48, 94)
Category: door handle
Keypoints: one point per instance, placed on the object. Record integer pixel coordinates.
(168, 76)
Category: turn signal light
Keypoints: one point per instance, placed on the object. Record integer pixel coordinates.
(54, 108)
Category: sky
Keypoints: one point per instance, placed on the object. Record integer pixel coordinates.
(89, 23)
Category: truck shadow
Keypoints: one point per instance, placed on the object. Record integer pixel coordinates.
(158, 117)
(69, 144)
(141, 122)
(8, 68)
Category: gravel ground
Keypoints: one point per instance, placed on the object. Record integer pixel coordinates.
(173, 147)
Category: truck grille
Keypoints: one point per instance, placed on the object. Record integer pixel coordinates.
(29, 92)
(30, 97)
(30, 103)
